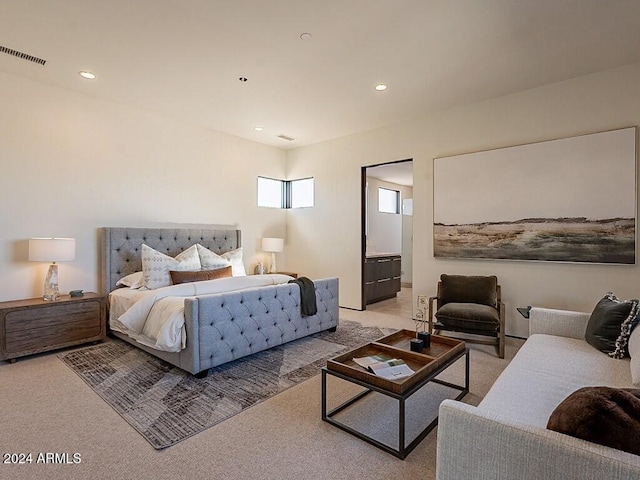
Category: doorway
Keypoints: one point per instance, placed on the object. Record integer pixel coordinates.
(387, 230)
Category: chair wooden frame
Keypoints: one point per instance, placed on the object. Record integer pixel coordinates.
(435, 327)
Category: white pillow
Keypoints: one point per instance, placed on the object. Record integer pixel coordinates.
(133, 281)
(210, 260)
(235, 257)
(156, 265)
(634, 352)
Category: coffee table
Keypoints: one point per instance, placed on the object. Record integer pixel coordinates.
(443, 352)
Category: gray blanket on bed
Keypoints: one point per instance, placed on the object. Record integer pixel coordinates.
(308, 305)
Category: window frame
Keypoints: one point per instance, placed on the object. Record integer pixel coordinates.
(397, 200)
(286, 192)
(282, 193)
(290, 197)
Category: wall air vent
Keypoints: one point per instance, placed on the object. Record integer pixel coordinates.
(284, 137)
(23, 56)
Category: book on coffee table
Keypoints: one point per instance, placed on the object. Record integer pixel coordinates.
(385, 367)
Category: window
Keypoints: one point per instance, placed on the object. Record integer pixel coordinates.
(388, 200)
(270, 192)
(285, 193)
(301, 193)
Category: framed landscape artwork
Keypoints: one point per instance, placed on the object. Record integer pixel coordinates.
(567, 200)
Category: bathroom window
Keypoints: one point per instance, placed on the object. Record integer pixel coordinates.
(388, 200)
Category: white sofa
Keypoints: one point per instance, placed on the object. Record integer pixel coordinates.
(504, 437)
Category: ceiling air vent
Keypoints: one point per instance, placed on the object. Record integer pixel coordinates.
(284, 137)
(23, 56)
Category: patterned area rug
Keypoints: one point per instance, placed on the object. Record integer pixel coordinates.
(166, 405)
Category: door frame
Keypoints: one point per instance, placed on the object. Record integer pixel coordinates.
(363, 221)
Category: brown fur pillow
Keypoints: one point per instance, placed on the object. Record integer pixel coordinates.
(604, 415)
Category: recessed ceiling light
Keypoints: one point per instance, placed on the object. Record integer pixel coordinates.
(380, 87)
(87, 75)
(305, 36)
(258, 129)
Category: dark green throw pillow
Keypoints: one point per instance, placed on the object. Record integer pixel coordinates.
(610, 325)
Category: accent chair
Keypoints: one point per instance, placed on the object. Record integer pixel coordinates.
(469, 305)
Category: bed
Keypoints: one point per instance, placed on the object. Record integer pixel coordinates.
(219, 327)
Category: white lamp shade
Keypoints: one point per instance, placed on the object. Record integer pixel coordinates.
(52, 249)
(272, 244)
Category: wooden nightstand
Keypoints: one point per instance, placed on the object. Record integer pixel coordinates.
(33, 325)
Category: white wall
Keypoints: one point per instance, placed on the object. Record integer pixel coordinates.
(71, 163)
(587, 104)
(407, 241)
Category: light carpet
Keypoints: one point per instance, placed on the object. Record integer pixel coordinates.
(167, 405)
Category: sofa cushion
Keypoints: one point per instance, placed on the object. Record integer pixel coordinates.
(605, 327)
(468, 289)
(604, 415)
(546, 370)
(470, 316)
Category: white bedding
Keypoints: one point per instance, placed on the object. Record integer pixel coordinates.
(155, 318)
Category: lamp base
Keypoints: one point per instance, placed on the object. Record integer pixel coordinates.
(273, 268)
(51, 292)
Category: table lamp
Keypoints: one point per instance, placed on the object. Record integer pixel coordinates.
(272, 245)
(52, 250)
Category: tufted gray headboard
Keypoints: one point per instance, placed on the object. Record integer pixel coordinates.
(120, 247)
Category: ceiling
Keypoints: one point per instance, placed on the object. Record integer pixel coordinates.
(400, 173)
(183, 58)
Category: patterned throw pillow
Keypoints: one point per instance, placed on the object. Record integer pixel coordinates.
(634, 353)
(630, 323)
(156, 265)
(610, 325)
(237, 266)
(210, 260)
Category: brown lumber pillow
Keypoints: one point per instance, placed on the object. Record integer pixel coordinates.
(604, 415)
(199, 275)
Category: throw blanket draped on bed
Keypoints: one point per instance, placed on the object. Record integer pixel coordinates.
(308, 305)
(157, 318)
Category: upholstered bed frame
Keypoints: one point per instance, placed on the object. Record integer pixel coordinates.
(225, 326)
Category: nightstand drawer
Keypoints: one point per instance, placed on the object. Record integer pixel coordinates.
(62, 333)
(51, 317)
(34, 326)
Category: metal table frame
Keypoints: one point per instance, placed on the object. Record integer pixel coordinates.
(403, 450)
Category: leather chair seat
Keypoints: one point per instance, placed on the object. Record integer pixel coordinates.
(469, 316)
